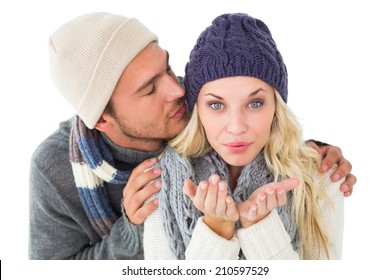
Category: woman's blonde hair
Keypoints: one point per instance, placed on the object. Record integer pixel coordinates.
(287, 156)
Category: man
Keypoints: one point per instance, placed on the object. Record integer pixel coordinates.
(90, 179)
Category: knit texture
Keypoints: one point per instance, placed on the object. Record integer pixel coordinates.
(92, 166)
(177, 210)
(88, 55)
(234, 45)
(265, 240)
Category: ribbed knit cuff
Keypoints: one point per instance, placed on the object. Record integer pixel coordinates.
(207, 245)
(265, 239)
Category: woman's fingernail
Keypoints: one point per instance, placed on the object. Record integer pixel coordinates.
(280, 192)
(214, 179)
(271, 192)
(203, 185)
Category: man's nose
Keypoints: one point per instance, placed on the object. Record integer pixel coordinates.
(172, 88)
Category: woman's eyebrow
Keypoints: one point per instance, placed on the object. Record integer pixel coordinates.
(256, 91)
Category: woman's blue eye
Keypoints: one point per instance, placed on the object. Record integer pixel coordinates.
(216, 105)
(255, 104)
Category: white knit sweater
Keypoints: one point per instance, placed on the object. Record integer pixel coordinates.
(266, 239)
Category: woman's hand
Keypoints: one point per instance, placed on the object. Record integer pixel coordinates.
(210, 197)
(263, 200)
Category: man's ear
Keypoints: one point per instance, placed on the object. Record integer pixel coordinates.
(104, 123)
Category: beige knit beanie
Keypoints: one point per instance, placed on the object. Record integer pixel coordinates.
(87, 56)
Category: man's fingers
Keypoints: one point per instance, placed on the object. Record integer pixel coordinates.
(343, 169)
(133, 203)
(330, 155)
(145, 165)
(139, 188)
(137, 182)
(147, 176)
(142, 213)
(347, 186)
(314, 146)
(143, 168)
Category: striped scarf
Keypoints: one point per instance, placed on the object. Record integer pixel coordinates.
(91, 162)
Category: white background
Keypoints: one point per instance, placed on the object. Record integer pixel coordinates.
(337, 55)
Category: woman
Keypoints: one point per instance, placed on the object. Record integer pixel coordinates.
(243, 148)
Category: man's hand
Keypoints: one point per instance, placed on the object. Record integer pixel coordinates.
(135, 194)
(332, 155)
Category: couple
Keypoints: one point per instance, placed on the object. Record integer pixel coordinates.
(123, 120)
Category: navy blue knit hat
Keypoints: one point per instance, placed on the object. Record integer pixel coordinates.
(234, 45)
